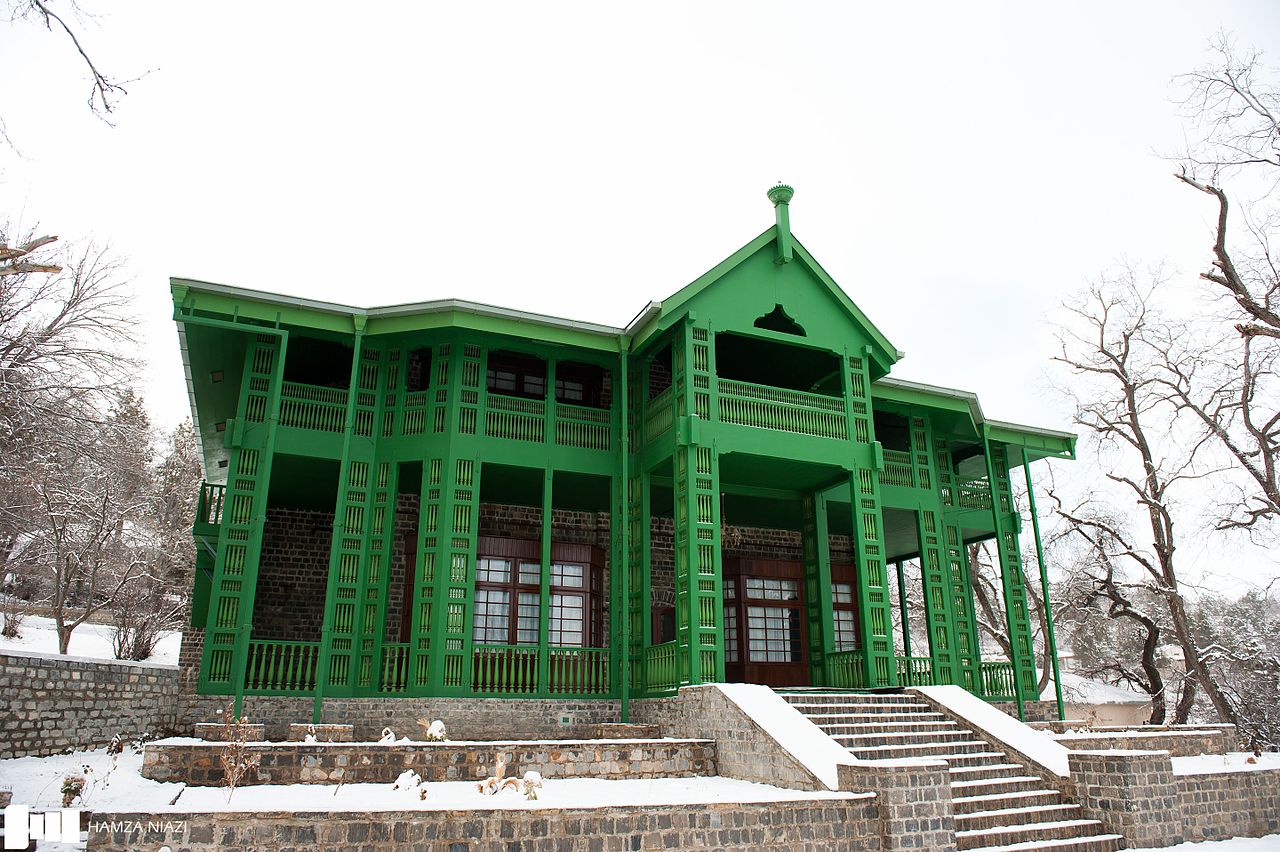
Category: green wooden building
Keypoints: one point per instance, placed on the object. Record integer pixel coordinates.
(454, 499)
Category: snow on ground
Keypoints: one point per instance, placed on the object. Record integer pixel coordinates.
(89, 641)
(1270, 843)
(1236, 761)
(37, 781)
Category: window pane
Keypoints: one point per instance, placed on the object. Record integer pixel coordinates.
(490, 570)
(568, 616)
(530, 574)
(492, 619)
(773, 634)
(846, 630)
(730, 589)
(527, 621)
(773, 589)
(842, 592)
(730, 634)
(568, 574)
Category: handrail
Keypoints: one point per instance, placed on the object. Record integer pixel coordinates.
(395, 667)
(582, 427)
(998, 680)
(898, 469)
(209, 504)
(973, 493)
(322, 409)
(787, 396)
(781, 409)
(915, 671)
(660, 671)
(281, 667)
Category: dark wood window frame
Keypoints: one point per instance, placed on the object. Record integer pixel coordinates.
(519, 552)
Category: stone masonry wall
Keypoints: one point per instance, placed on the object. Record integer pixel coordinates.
(1177, 743)
(1229, 804)
(1131, 792)
(293, 575)
(355, 763)
(465, 718)
(810, 825)
(49, 704)
(744, 750)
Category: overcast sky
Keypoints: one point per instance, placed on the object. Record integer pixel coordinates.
(958, 167)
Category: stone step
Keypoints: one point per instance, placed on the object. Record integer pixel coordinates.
(869, 697)
(1096, 843)
(1057, 812)
(984, 769)
(1030, 798)
(1027, 833)
(905, 737)
(864, 706)
(974, 760)
(929, 749)
(885, 727)
(874, 718)
(992, 786)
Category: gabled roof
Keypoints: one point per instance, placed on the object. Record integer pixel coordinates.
(661, 315)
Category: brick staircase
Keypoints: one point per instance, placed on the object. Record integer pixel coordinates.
(999, 806)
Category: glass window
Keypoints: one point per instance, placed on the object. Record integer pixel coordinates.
(773, 589)
(492, 616)
(568, 574)
(730, 589)
(730, 634)
(527, 621)
(490, 570)
(842, 593)
(773, 634)
(846, 630)
(530, 574)
(568, 616)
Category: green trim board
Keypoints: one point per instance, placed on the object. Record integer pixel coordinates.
(751, 395)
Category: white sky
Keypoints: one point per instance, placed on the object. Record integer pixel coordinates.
(959, 168)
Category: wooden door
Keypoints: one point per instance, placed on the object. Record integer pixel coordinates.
(766, 637)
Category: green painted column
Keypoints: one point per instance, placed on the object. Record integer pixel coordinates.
(958, 585)
(544, 606)
(1044, 586)
(251, 438)
(1017, 618)
(874, 604)
(819, 611)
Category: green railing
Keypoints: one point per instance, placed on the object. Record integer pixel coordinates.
(313, 407)
(782, 410)
(660, 667)
(998, 681)
(515, 418)
(578, 671)
(847, 670)
(281, 667)
(209, 505)
(898, 470)
(517, 670)
(659, 414)
(974, 493)
(395, 667)
(585, 428)
(915, 671)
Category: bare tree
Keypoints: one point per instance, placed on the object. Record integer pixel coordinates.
(1118, 398)
(984, 572)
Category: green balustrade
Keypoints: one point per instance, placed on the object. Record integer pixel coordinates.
(997, 681)
(394, 668)
(915, 671)
(781, 409)
(209, 504)
(659, 415)
(579, 671)
(515, 418)
(321, 409)
(584, 428)
(897, 470)
(281, 668)
(660, 667)
(974, 493)
(847, 670)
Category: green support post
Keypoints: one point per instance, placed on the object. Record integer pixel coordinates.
(902, 611)
(1015, 601)
(815, 552)
(1044, 587)
(620, 532)
(544, 605)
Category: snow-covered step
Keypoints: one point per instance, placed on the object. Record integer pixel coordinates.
(929, 749)
(1028, 832)
(867, 697)
(984, 769)
(1016, 816)
(1029, 798)
(1096, 843)
(993, 786)
(978, 760)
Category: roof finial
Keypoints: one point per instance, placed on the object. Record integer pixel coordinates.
(781, 195)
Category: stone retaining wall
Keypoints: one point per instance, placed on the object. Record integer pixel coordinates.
(745, 751)
(847, 823)
(1177, 743)
(465, 718)
(198, 764)
(1229, 804)
(49, 704)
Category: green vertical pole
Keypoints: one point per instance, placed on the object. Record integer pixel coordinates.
(544, 605)
(1044, 587)
(620, 528)
(902, 609)
(820, 612)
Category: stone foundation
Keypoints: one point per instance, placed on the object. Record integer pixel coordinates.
(914, 800)
(198, 764)
(1131, 792)
(50, 704)
(1178, 743)
(217, 732)
(1229, 804)
(322, 733)
(846, 823)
